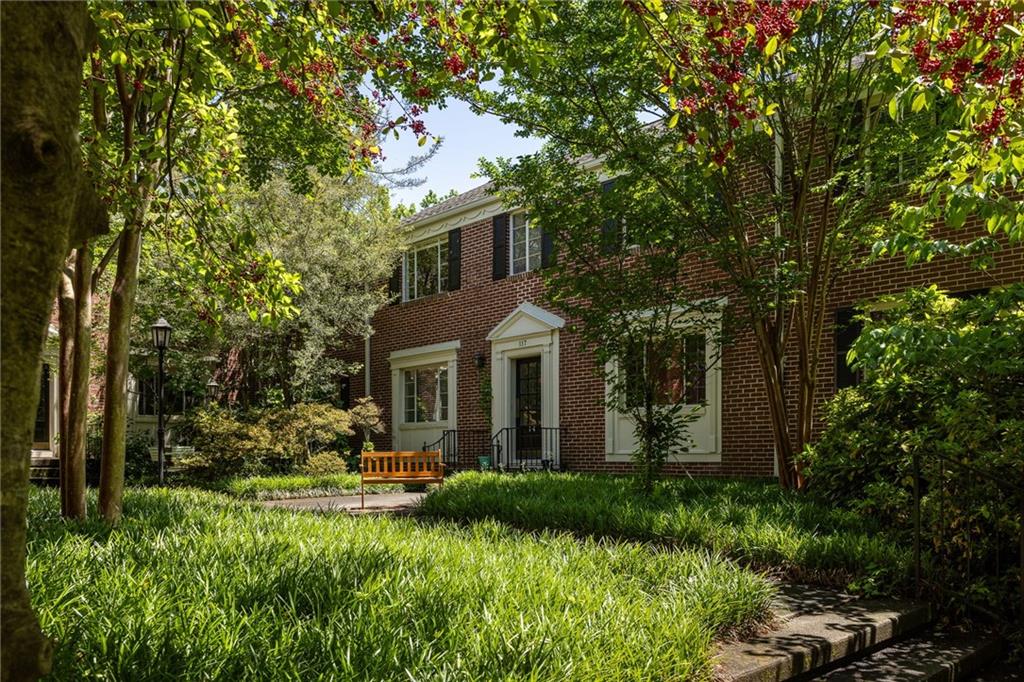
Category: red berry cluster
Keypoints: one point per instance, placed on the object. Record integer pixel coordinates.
(724, 64)
(973, 53)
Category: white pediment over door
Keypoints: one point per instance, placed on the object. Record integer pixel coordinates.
(526, 320)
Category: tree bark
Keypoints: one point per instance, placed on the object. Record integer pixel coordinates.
(78, 408)
(66, 323)
(47, 205)
(122, 305)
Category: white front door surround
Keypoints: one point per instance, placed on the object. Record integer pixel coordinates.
(528, 331)
(411, 436)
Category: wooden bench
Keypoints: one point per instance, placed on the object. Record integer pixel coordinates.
(399, 467)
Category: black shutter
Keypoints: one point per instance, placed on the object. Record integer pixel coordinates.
(611, 232)
(500, 255)
(454, 259)
(547, 249)
(395, 285)
(344, 392)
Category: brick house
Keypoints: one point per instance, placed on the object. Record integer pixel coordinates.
(470, 360)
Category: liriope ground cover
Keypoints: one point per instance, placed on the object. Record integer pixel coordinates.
(286, 486)
(753, 522)
(193, 585)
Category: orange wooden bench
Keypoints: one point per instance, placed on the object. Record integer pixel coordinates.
(399, 467)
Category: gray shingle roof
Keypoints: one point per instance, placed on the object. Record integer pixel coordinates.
(449, 205)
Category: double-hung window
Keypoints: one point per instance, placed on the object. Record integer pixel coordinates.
(426, 394)
(678, 372)
(526, 244)
(426, 270)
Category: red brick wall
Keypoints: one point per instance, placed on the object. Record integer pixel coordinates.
(470, 313)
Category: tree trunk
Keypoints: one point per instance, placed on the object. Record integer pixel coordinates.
(66, 323)
(78, 409)
(115, 403)
(44, 191)
(771, 369)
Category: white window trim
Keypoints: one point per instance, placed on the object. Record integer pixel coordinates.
(531, 265)
(421, 356)
(409, 270)
(438, 404)
(714, 403)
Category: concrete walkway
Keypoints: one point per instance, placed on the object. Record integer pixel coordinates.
(400, 503)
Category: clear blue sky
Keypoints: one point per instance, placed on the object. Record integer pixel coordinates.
(467, 138)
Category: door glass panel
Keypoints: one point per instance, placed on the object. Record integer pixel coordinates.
(528, 408)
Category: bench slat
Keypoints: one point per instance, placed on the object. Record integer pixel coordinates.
(400, 467)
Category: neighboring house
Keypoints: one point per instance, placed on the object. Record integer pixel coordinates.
(142, 409)
(471, 360)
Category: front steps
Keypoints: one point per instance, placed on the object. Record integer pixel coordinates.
(44, 471)
(828, 635)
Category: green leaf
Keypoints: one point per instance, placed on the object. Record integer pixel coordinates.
(773, 44)
(920, 102)
(119, 57)
(673, 121)
(894, 108)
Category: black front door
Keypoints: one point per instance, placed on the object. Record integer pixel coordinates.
(528, 433)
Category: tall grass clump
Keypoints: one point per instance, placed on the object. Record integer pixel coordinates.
(754, 522)
(193, 585)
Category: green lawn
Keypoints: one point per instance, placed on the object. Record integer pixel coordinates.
(295, 485)
(195, 585)
(754, 522)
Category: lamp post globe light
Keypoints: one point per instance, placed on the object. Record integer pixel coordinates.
(161, 337)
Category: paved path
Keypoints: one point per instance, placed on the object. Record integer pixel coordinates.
(375, 503)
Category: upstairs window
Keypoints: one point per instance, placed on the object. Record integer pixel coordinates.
(526, 244)
(426, 270)
(426, 394)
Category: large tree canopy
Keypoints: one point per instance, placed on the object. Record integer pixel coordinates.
(762, 126)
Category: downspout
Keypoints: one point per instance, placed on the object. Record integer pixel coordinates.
(778, 233)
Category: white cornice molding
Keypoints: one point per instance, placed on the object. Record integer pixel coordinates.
(482, 209)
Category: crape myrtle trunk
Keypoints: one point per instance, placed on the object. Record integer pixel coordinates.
(115, 390)
(48, 204)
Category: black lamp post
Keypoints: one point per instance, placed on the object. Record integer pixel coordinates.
(161, 337)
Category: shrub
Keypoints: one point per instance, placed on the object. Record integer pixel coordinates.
(138, 464)
(303, 430)
(324, 464)
(275, 440)
(943, 385)
(225, 445)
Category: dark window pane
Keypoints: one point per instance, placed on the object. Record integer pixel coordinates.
(847, 331)
(41, 433)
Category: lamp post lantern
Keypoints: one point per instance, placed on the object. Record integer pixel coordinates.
(161, 337)
(211, 390)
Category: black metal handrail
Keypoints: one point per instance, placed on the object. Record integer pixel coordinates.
(462, 448)
(522, 448)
